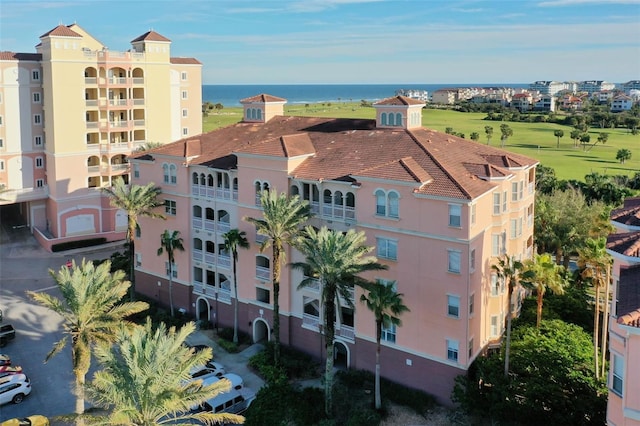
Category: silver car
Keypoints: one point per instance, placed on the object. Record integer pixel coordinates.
(14, 388)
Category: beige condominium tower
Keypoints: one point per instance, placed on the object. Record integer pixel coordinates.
(70, 115)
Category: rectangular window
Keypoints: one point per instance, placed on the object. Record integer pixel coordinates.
(473, 214)
(35, 75)
(519, 227)
(453, 306)
(1, 143)
(174, 269)
(185, 131)
(617, 375)
(37, 119)
(39, 183)
(1, 165)
(504, 201)
(184, 94)
(514, 191)
(495, 285)
(387, 249)
(470, 348)
(138, 259)
(138, 231)
(170, 207)
(183, 75)
(454, 261)
(452, 350)
(36, 98)
(455, 211)
(263, 295)
(494, 326)
(521, 190)
(37, 140)
(136, 170)
(472, 260)
(496, 203)
(1, 121)
(39, 163)
(185, 112)
(514, 228)
(495, 244)
(389, 334)
(472, 301)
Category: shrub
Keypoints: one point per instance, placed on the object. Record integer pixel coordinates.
(70, 245)
(294, 364)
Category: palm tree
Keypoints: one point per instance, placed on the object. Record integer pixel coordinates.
(283, 217)
(594, 261)
(170, 242)
(542, 273)
(335, 259)
(488, 130)
(386, 306)
(558, 134)
(234, 239)
(138, 201)
(145, 379)
(91, 311)
(508, 270)
(506, 133)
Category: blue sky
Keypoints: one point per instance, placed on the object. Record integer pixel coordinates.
(360, 41)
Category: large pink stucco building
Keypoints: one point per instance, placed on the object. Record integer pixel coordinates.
(623, 407)
(438, 209)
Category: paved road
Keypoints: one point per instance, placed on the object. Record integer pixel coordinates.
(24, 265)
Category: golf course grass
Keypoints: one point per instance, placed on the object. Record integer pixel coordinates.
(535, 140)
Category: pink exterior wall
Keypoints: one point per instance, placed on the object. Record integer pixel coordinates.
(624, 409)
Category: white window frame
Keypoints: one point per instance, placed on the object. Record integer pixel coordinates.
(185, 112)
(39, 183)
(1, 121)
(138, 259)
(185, 131)
(473, 214)
(136, 170)
(472, 260)
(185, 94)
(170, 207)
(36, 97)
(496, 204)
(35, 75)
(174, 269)
(494, 326)
(39, 163)
(617, 374)
(2, 165)
(472, 303)
(183, 76)
(453, 306)
(494, 285)
(505, 201)
(37, 119)
(382, 248)
(454, 264)
(389, 334)
(514, 191)
(453, 350)
(455, 211)
(37, 140)
(1, 143)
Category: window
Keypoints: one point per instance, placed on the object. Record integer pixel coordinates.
(498, 244)
(387, 248)
(36, 98)
(136, 170)
(514, 191)
(1, 143)
(138, 231)
(184, 94)
(452, 350)
(389, 333)
(455, 211)
(454, 261)
(1, 122)
(39, 162)
(514, 226)
(617, 375)
(173, 178)
(473, 214)
(138, 259)
(183, 75)
(453, 306)
(35, 75)
(37, 119)
(504, 201)
(185, 112)
(494, 326)
(495, 285)
(173, 271)
(39, 183)
(263, 295)
(381, 203)
(387, 204)
(1, 165)
(470, 348)
(496, 203)
(521, 190)
(185, 131)
(393, 204)
(37, 140)
(472, 260)
(472, 301)
(170, 207)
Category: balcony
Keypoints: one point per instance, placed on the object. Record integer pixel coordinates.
(119, 167)
(93, 169)
(224, 295)
(196, 255)
(119, 124)
(223, 227)
(209, 225)
(210, 258)
(314, 285)
(91, 102)
(262, 273)
(93, 124)
(346, 332)
(138, 101)
(138, 123)
(118, 102)
(196, 222)
(310, 321)
(11, 196)
(224, 260)
(138, 80)
(90, 80)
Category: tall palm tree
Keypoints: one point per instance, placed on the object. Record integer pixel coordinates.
(594, 261)
(138, 201)
(91, 311)
(508, 270)
(386, 306)
(145, 379)
(169, 243)
(234, 239)
(335, 259)
(282, 218)
(539, 274)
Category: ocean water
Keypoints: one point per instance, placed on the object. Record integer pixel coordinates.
(230, 95)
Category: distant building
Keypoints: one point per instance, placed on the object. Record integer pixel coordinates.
(421, 95)
(630, 85)
(623, 407)
(445, 96)
(545, 103)
(592, 86)
(547, 87)
(71, 114)
(621, 103)
(522, 101)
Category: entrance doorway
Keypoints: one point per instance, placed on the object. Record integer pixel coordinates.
(261, 332)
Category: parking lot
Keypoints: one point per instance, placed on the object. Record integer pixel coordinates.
(24, 265)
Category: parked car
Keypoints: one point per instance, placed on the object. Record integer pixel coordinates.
(14, 388)
(210, 367)
(4, 360)
(11, 369)
(7, 333)
(17, 370)
(234, 401)
(35, 420)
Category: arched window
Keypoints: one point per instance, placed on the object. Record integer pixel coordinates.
(350, 200)
(383, 118)
(173, 174)
(210, 180)
(165, 172)
(211, 247)
(398, 119)
(195, 178)
(294, 190)
(391, 121)
(259, 114)
(210, 214)
(197, 212)
(381, 203)
(203, 179)
(393, 204)
(197, 244)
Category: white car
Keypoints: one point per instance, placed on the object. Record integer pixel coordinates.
(209, 368)
(14, 388)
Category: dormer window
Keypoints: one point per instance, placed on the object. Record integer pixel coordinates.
(391, 119)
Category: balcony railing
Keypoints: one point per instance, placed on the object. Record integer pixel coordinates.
(138, 122)
(196, 222)
(223, 227)
(338, 212)
(93, 124)
(311, 321)
(93, 169)
(90, 80)
(209, 225)
(196, 255)
(212, 192)
(224, 260)
(119, 167)
(263, 273)
(138, 80)
(119, 124)
(118, 102)
(346, 331)
(224, 295)
(91, 102)
(210, 258)
(314, 285)
(138, 101)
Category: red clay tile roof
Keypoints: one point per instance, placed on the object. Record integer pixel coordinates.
(12, 56)
(150, 36)
(399, 100)
(185, 61)
(263, 97)
(631, 319)
(61, 31)
(631, 202)
(347, 148)
(627, 215)
(627, 243)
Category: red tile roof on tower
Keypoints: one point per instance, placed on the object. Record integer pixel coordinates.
(13, 56)
(61, 31)
(185, 61)
(343, 149)
(399, 100)
(150, 36)
(263, 97)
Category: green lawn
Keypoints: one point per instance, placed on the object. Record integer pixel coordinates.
(532, 139)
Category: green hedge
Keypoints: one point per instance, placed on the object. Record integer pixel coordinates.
(70, 245)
